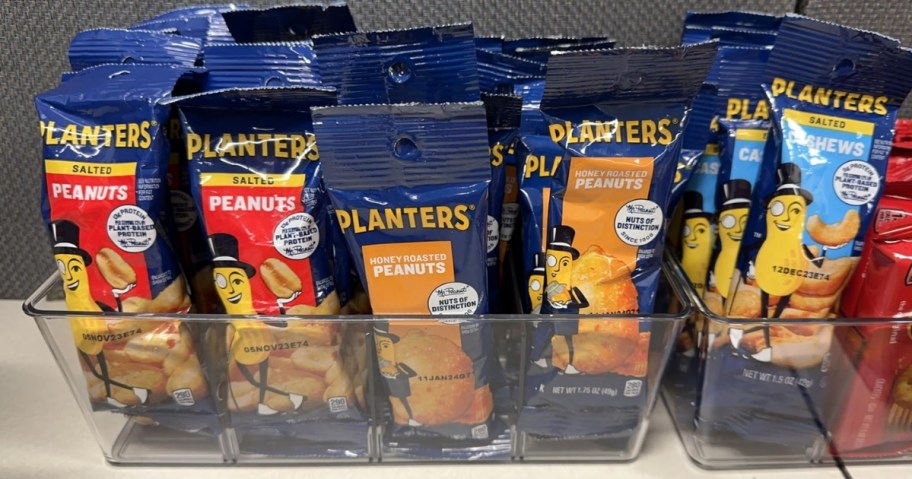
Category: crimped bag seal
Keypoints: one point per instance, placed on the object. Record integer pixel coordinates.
(111, 45)
(289, 23)
(249, 65)
(203, 22)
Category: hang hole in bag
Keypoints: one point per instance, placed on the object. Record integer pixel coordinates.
(399, 72)
(844, 68)
(406, 149)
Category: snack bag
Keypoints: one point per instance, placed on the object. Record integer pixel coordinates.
(103, 193)
(874, 364)
(414, 217)
(833, 114)
(882, 265)
(426, 65)
(609, 194)
(288, 23)
(540, 158)
(93, 47)
(203, 22)
(741, 145)
(255, 172)
(503, 116)
(112, 45)
(899, 170)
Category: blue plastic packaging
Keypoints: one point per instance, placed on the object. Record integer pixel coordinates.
(618, 144)
(833, 114)
(409, 184)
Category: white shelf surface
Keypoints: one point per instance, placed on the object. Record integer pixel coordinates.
(43, 435)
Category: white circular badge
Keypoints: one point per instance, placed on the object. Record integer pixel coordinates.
(493, 233)
(184, 210)
(131, 229)
(296, 236)
(638, 222)
(453, 299)
(856, 182)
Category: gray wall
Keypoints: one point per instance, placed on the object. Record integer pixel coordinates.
(34, 37)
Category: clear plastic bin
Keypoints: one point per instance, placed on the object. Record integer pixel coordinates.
(218, 431)
(827, 391)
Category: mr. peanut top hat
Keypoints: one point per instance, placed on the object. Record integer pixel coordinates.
(562, 240)
(693, 205)
(381, 328)
(790, 183)
(736, 194)
(538, 268)
(225, 253)
(65, 236)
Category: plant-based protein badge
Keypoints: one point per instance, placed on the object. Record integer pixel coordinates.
(131, 229)
(297, 236)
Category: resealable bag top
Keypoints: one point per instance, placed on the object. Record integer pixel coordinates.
(426, 65)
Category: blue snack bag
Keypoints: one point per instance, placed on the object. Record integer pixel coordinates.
(111, 45)
(203, 22)
(833, 115)
(741, 149)
(106, 156)
(288, 23)
(255, 170)
(540, 157)
(95, 47)
(619, 142)
(736, 96)
(426, 65)
(503, 116)
(414, 218)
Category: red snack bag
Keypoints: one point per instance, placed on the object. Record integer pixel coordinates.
(899, 167)
(874, 416)
(885, 262)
